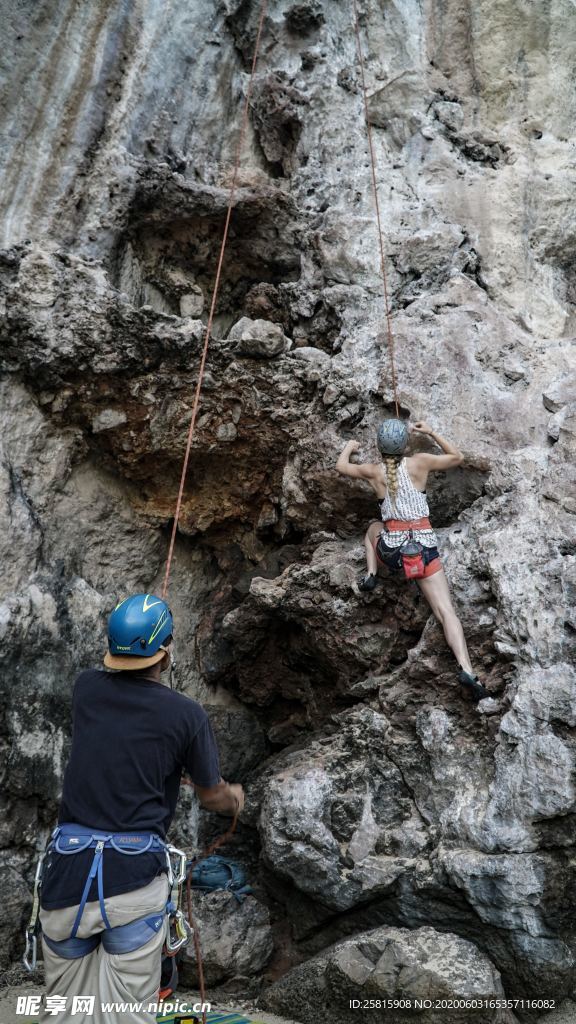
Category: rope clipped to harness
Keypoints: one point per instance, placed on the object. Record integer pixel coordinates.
(389, 333)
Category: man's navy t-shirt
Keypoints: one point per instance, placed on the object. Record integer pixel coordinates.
(132, 737)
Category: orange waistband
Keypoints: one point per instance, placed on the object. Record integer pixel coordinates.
(408, 524)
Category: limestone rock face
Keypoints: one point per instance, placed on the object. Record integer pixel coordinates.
(338, 819)
(403, 967)
(236, 938)
(379, 801)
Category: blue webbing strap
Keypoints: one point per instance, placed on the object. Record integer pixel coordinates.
(101, 891)
(128, 937)
(95, 868)
(72, 949)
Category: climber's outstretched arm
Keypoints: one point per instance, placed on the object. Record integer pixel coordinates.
(452, 455)
(366, 471)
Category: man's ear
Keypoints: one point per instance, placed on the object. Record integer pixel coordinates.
(165, 663)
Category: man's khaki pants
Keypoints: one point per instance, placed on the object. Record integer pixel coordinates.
(109, 977)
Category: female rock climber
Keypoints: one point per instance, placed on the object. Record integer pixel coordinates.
(400, 486)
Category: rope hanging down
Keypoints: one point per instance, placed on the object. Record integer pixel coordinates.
(389, 333)
(202, 366)
(220, 841)
(228, 834)
(195, 931)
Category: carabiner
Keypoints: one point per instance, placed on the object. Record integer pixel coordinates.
(39, 869)
(182, 931)
(29, 958)
(176, 879)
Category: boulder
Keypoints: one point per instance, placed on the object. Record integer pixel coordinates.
(236, 938)
(397, 974)
(258, 338)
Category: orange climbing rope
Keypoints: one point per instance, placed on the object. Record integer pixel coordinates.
(191, 920)
(191, 431)
(390, 335)
(202, 367)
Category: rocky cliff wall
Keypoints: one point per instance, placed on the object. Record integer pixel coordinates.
(380, 803)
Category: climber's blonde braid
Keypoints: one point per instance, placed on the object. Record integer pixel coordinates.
(391, 470)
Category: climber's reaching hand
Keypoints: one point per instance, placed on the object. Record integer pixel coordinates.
(365, 471)
(428, 463)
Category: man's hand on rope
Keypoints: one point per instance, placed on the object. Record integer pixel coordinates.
(237, 792)
(222, 798)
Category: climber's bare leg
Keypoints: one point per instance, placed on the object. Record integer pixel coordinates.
(437, 594)
(370, 538)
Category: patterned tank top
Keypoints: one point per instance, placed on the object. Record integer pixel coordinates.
(410, 504)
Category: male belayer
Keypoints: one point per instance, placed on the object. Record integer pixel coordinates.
(403, 539)
(107, 886)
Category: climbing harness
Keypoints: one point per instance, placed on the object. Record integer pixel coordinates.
(411, 552)
(404, 525)
(69, 839)
(390, 335)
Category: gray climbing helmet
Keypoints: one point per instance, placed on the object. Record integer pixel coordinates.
(392, 437)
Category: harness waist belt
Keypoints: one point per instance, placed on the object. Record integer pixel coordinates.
(69, 838)
(397, 525)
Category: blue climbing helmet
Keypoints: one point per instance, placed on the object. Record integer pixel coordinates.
(392, 437)
(138, 631)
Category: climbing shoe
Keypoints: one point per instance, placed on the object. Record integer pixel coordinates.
(473, 685)
(368, 582)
